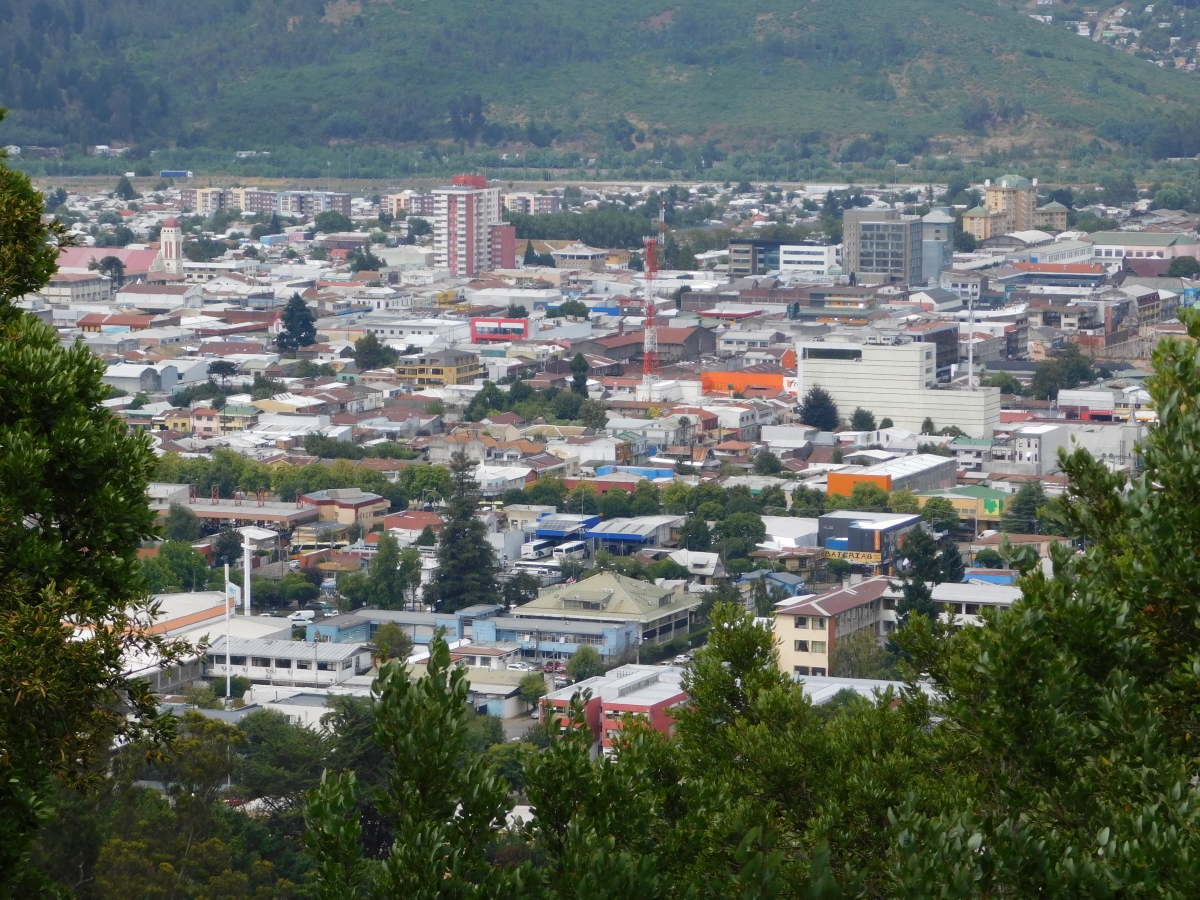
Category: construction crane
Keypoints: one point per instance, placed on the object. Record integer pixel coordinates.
(655, 246)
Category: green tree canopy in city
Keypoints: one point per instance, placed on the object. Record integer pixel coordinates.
(1183, 267)
(182, 524)
(579, 368)
(767, 463)
(941, 514)
(371, 353)
(1068, 369)
(391, 580)
(1023, 511)
(585, 663)
(862, 420)
(331, 221)
(392, 642)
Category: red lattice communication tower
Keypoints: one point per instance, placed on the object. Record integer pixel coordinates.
(655, 245)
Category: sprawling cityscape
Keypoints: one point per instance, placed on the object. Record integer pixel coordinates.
(681, 518)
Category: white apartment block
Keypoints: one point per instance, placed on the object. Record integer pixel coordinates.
(463, 213)
(896, 381)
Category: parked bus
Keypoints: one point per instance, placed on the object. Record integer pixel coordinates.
(571, 550)
(537, 550)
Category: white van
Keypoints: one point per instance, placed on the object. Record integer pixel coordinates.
(303, 617)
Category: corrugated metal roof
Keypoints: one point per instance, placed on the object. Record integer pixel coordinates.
(323, 651)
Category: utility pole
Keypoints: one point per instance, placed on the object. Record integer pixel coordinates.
(229, 595)
(246, 558)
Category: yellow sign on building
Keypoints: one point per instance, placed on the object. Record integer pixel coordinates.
(858, 556)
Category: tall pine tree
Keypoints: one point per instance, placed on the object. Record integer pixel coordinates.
(579, 366)
(299, 325)
(466, 573)
(922, 569)
(818, 409)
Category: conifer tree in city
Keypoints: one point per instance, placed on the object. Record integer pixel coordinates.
(818, 409)
(579, 366)
(921, 569)
(299, 325)
(466, 573)
(953, 567)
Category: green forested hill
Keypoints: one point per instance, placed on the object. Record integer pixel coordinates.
(583, 75)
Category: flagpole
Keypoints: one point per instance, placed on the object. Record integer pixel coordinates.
(228, 680)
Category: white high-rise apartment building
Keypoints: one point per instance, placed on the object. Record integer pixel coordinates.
(463, 215)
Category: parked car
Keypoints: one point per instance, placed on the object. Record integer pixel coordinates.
(553, 665)
(682, 659)
(520, 667)
(303, 617)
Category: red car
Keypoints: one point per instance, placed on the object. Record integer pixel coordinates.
(554, 666)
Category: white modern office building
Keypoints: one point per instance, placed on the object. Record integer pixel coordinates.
(895, 381)
(807, 259)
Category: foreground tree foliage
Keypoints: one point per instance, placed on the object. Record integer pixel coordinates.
(72, 512)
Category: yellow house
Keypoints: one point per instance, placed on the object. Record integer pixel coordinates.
(982, 507)
(807, 628)
(347, 506)
(179, 420)
(984, 223)
(617, 259)
(237, 418)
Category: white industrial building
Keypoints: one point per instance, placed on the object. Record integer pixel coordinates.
(288, 663)
(896, 381)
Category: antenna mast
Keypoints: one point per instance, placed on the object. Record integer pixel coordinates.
(655, 246)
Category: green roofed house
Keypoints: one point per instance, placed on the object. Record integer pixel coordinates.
(660, 614)
(1051, 217)
(982, 507)
(984, 223)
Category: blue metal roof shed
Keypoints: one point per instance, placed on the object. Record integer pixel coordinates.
(564, 525)
(641, 529)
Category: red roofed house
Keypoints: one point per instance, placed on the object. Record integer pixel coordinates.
(674, 344)
(806, 630)
(407, 526)
(94, 323)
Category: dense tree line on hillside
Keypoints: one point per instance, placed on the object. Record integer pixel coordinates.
(81, 74)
